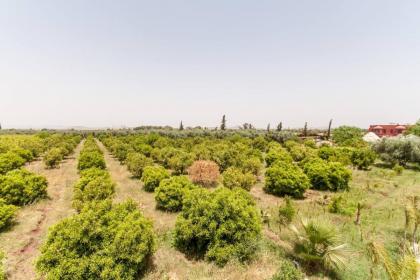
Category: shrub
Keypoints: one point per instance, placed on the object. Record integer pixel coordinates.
(23, 153)
(348, 136)
(53, 157)
(219, 225)
(326, 175)
(136, 162)
(277, 155)
(204, 172)
(252, 165)
(318, 245)
(338, 205)
(401, 150)
(287, 212)
(7, 214)
(180, 161)
(170, 193)
(104, 241)
(90, 159)
(235, 178)
(288, 271)
(152, 176)
(286, 179)
(363, 158)
(94, 188)
(21, 187)
(398, 169)
(10, 161)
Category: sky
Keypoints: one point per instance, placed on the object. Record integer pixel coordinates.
(128, 63)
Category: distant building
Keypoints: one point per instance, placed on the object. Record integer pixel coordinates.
(387, 130)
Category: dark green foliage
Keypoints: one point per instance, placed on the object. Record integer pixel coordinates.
(152, 176)
(171, 192)
(288, 271)
(348, 136)
(401, 150)
(104, 241)
(287, 212)
(326, 175)
(53, 157)
(286, 179)
(235, 178)
(136, 162)
(10, 161)
(220, 225)
(223, 124)
(94, 184)
(21, 187)
(363, 158)
(7, 214)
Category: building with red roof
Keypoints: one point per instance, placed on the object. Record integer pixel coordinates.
(387, 130)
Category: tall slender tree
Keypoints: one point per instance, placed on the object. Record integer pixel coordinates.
(268, 128)
(305, 130)
(329, 130)
(181, 126)
(223, 124)
(279, 126)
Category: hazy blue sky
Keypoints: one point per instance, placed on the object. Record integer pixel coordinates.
(112, 63)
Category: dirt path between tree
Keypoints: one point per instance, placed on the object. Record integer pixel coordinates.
(131, 188)
(22, 241)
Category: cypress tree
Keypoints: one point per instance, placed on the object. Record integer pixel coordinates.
(268, 127)
(223, 125)
(305, 130)
(181, 126)
(279, 126)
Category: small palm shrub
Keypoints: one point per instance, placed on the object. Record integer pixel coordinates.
(326, 175)
(286, 179)
(90, 159)
(318, 246)
(53, 157)
(104, 241)
(220, 225)
(7, 214)
(21, 187)
(10, 161)
(204, 172)
(363, 158)
(152, 176)
(288, 271)
(136, 162)
(235, 178)
(171, 192)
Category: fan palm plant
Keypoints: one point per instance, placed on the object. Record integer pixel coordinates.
(319, 246)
